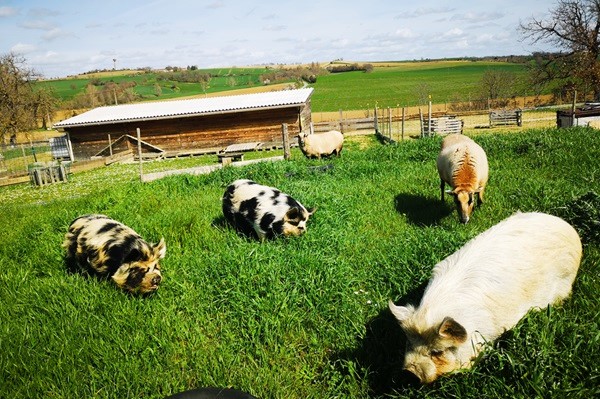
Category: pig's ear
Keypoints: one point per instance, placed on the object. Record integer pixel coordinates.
(160, 249)
(400, 312)
(450, 329)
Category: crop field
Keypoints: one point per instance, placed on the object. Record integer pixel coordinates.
(298, 318)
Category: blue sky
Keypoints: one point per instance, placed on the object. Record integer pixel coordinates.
(60, 38)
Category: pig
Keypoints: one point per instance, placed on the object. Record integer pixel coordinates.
(528, 261)
(462, 164)
(321, 144)
(263, 212)
(98, 245)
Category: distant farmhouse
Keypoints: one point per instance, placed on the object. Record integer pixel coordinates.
(205, 123)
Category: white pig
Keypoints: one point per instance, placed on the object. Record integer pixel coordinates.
(482, 290)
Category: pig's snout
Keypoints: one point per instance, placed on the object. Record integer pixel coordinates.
(410, 378)
(424, 372)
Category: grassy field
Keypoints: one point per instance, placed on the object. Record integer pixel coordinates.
(291, 318)
(224, 79)
(401, 85)
(389, 85)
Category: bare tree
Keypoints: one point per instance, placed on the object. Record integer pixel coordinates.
(573, 27)
(19, 103)
(497, 84)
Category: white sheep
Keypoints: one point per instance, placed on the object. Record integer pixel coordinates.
(321, 144)
(527, 261)
(463, 164)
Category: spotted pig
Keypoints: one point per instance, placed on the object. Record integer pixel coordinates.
(104, 247)
(263, 212)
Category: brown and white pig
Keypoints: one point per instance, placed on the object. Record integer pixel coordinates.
(463, 164)
(527, 261)
(101, 246)
(262, 211)
(319, 145)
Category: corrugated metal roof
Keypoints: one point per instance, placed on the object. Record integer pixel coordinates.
(185, 108)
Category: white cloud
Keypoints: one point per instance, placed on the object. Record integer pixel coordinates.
(403, 33)
(23, 48)
(8, 11)
(423, 11)
(216, 4)
(54, 34)
(477, 17)
(37, 25)
(454, 32)
(274, 28)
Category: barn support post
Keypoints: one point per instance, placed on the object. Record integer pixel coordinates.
(139, 145)
(70, 147)
(110, 146)
(286, 141)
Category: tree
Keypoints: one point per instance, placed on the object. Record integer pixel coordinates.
(497, 84)
(19, 103)
(573, 27)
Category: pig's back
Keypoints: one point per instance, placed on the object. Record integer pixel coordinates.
(528, 260)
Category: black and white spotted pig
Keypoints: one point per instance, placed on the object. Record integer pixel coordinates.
(104, 247)
(262, 211)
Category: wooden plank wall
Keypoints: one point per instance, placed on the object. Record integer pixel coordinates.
(208, 131)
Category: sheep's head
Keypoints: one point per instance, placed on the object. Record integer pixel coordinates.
(465, 202)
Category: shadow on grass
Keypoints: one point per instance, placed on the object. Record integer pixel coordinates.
(381, 352)
(420, 210)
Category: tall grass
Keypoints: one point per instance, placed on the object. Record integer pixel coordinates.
(291, 318)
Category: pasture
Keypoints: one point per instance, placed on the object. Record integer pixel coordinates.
(223, 79)
(304, 317)
(403, 84)
(389, 85)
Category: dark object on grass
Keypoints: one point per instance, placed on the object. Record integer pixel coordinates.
(212, 393)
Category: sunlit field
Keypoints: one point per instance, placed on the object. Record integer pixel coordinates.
(304, 317)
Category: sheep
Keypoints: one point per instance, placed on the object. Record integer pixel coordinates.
(528, 261)
(463, 164)
(96, 244)
(321, 144)
(262, 211)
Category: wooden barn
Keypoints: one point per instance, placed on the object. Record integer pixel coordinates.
(208, 124)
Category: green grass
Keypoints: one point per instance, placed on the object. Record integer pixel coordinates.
(292, 318)
(396, 84)
(401, 85)
(67, 89)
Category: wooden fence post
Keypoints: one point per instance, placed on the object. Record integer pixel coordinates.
(375, 120)
(403, 108)
(139, 144)
(286, 142)
(390, 122)
(24, 157)
(341, 121)
(429, 120)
